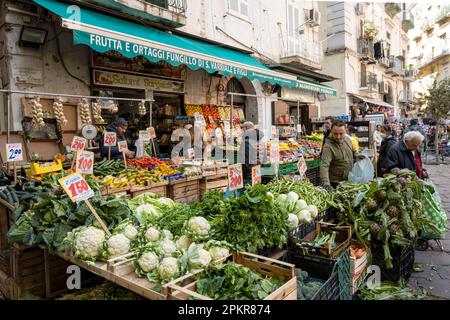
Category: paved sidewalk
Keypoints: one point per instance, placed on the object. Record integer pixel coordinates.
(435, 278)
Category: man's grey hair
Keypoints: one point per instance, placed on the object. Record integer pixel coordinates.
(413, 135)
(248, 125)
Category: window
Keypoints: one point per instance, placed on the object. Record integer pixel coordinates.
(363, 76)
(239, 7)
(388, 35)
(445, 72)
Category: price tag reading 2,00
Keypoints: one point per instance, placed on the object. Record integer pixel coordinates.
(78, 144)
(110, 139)
(14, 152)
(76, 187)
(235, 178)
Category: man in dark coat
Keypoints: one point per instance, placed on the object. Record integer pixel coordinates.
(388, 142)
(406, 154)
(326, 130)
(119, 127)
(251, 150)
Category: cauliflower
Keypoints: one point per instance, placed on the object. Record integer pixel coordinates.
(130, 232)
(183, 242)
(167, 234)
(118, 245)
(88, 242)
(167, 247)
(152, 234)
(147, 213)
(218, 253)
(199, 226)
(205, 257)
(148, 261)
(197, 257)
(168, 268)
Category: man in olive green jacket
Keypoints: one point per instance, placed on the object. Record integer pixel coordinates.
(337, 157)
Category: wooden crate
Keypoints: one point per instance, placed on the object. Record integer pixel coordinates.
(185, 190)
(157, 188)
(218, 181)
(121, 272)
(118, 191)
(184, 288)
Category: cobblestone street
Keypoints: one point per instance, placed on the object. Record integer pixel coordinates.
(435, 278)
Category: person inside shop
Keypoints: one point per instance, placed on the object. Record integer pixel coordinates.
(250, 151)
(337, 156)
(378, 136)
(327, 128)
(119, 127)
(406, 154)
(175, 139)
(388, 142)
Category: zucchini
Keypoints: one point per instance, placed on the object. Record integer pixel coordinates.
(9, 197)
(3, 195)
(14, 196)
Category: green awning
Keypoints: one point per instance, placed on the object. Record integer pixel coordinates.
(104, 33)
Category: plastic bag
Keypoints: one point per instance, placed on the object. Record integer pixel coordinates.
(434, 213)
(140, 150)
(363, 171)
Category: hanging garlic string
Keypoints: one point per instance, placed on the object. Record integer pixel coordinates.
(85, 113)
(58, 110)
(97, 111)
(37, 112)
(142, 111)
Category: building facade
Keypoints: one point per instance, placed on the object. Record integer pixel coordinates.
(430, 49)
(286, 36)
(366, 50)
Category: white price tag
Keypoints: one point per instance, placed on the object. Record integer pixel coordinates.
(76, 187)
(191, 153)
(85, 162)
(110, 139)
(299, 128)
(235, 178)
(256, 175)
(78, 144)
(144, 136)
(301, 167)
(123, 146)
(151, 132)
(14, 152)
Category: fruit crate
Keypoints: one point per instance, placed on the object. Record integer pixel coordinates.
(214, 182)
(343, 238)
(402, 260)
(335, 272)
(312, 164)
(184, 288)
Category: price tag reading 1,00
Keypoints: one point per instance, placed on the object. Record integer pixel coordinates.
(85, 162)
(14, 152)
(76, 187)
(110, 139)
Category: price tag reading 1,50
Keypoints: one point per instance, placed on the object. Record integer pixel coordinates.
(14, 152)
(78, 144)
(110, 139)
(85, 162)
(76, 187)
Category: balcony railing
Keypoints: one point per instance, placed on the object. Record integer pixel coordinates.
(410, 74)
(392, 9)
(395, 66)
(406, 97)
(444, 14)
(177, 6)
(428, 56)
(407, 22)
(366, 49)
(369, 80)
(384, 61)
(304, 47)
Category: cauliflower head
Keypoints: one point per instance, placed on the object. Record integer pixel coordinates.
(152, 234)
(118, 245)
(88, 243)
(167, 234)
(199, 226)
(148, 261)
(218, 253)
(168, 268)
(130, 232)
(167, 248)
(183, 242)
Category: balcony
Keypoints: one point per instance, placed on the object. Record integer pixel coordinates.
(384, 61)
(407, 22)
(167, 12)
(366, 51)
(395, 67)
(410, 75)
(406, 97)
(439, 52)
(428, 26)
(392, 8)
(302, 52)
(444, 15)
(369, 82)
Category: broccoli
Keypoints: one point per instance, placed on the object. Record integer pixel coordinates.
(310, 289)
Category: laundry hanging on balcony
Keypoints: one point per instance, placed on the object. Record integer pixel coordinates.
(104, 33)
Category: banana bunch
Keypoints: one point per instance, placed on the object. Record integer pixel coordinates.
(114, 183)
(85, 112)
(97, 112)
(58, 110)
(142, 111)
(192, 109)
(38, 114)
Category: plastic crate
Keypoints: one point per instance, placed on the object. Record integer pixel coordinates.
(402, 261)
(335, 272)
(313, 176)
(313, 164)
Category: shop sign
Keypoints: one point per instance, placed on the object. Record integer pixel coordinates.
(76, 187)
(235, 177)
(301, 167)
(122, 80)
(123, 146)
(28, 76)
(85, 162)
(110, 139)
(296, 95)
(78, 144)
(256, 175)
(14, 152)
